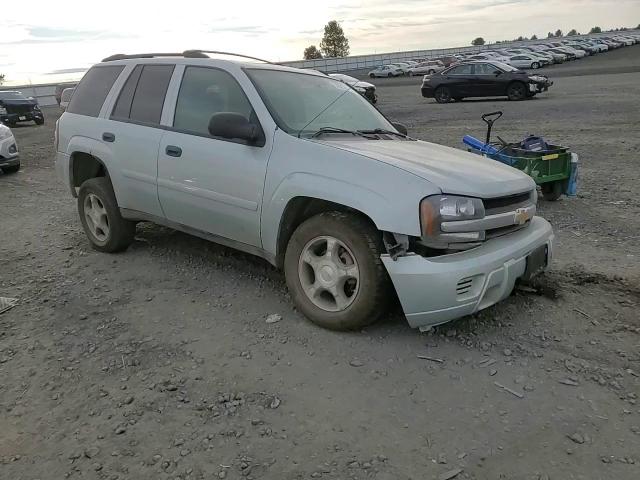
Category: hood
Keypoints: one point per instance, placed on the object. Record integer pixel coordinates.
(453, 171)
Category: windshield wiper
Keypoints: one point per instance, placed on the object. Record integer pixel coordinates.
(359, 133)
(383, 131)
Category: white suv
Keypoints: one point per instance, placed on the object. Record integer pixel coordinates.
(300, 169)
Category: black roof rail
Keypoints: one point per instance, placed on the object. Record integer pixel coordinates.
(185, 54)
(201, 54)
(122, 56)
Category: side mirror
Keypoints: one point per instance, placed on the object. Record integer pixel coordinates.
(402, 128)
(497, 72)
(233, 126)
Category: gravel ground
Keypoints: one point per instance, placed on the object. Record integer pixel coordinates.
(159, 363)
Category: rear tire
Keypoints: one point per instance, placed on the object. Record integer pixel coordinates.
(390, 75)
(442, 95)
(312, 273)
(551, 191)
(105, 228)
(371, 75)
(12, 169)
(535, 65)
(39, 122)
(517, 91)
(457, 99)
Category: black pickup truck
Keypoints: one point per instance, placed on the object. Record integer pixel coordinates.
(15, 107)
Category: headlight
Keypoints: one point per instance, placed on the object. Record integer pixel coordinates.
(5, 132)
(449, 208)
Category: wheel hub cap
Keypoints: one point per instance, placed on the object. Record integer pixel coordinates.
(329, 273)
(96, 217)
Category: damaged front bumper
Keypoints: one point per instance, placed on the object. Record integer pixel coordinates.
(435, 290)
(539, 84)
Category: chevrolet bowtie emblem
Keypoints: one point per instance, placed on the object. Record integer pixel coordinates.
(521, 216)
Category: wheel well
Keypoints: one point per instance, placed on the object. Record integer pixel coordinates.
(300, 209)
(85, 166)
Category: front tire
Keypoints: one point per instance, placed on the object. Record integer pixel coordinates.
(105, 228)
(517, 91)
(39, 121)
(535, 65)
(442, 95)
(371, 75)
(334, 273)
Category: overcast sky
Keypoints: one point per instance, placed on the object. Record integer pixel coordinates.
(44, 36)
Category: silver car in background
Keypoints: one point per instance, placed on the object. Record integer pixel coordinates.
(427, 68)
(386, 71)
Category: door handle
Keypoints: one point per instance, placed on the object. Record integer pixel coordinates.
(173, 151)
(108, 137)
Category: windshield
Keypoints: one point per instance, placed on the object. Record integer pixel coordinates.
(12, 96)
(302, 104)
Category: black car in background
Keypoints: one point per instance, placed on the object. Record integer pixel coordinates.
(15, 107)
(482, 79)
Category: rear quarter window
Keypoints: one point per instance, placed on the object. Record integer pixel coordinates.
(92, 91)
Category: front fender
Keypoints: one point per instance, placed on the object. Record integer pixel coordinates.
(382, 209)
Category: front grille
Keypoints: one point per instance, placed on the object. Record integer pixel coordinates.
(506, 204)
(19, 109)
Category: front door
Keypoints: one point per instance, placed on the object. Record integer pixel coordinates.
(211, 184)
(487, 83)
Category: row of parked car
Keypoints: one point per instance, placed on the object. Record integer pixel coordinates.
(530, 56)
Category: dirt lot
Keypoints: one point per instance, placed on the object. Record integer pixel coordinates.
(158, 363)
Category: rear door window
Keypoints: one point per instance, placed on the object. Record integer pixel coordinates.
(461, 70)
(142, 96)
(150, 92)
(93, 90)
(122, 110)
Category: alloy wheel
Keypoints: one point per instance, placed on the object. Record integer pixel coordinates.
(96, 216)
(329, 273)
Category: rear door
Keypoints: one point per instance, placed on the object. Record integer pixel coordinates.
(461, 80)
(133, 132)
(212, 184)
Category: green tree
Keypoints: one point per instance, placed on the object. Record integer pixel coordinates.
(534, 37)
(549, 35)
(573, 32)
(334, 43)
(1, 78)
(312, 52)
(558, 33)
(595, 30)
(638, 27)
(478, 41)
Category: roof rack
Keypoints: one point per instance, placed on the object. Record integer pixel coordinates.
(185, 54)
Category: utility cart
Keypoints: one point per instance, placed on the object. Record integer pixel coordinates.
(553, 167)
